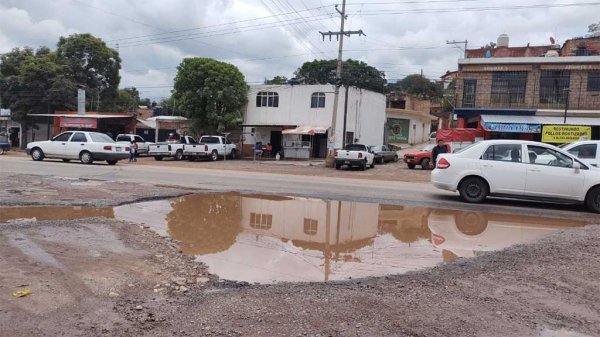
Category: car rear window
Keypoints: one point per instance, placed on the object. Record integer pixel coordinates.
(101, 138)
(210, 140)
(355, 147)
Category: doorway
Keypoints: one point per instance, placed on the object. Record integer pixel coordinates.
(276, 141)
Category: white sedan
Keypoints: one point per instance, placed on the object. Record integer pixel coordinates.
(586, 150)
(521, 169)
(82, 145)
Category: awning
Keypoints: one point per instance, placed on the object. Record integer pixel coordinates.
(151, 122)
(530, 124)
(305, 130)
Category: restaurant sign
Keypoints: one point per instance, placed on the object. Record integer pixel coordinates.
(560, 134)
(78, 122)
(512, 127)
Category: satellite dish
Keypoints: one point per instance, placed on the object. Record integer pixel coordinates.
(552, 40)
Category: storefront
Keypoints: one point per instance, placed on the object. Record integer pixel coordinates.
(304, 142)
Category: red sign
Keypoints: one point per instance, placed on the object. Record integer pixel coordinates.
(78, 122)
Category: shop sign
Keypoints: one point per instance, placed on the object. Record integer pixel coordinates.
(78, 122)
(397, 130)
(565, 133)
(515, 127)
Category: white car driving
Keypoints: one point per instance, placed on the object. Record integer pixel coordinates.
(521, 169)
(82, 145)
(587, 150)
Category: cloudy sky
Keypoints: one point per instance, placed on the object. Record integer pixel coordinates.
(264, 38)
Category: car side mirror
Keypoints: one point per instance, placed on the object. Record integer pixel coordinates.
(576, 167)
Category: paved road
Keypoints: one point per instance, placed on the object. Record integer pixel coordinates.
(410, 194)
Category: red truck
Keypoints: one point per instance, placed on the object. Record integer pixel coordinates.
(422, 158)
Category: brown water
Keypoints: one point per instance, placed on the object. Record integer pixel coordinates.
(258, 238)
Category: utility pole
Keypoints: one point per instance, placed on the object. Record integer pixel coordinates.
(330, 162)
(454, 42)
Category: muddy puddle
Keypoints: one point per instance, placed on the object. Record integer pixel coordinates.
(266, 239)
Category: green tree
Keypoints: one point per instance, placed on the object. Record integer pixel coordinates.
(211, 93)
(417, 85)
(354, 73)
(277, 80)
(93, 64)
(126, 101)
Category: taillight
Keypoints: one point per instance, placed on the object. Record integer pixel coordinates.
(108, 147)
(206, 148)
(437, 239)
(127, 149)
(169, 147)
(360, 155)
(443, 164)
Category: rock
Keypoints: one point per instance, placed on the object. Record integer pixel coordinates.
(159, 256)
(202, 280)
(139, 307)
(131, 285)
(178, 280)
(183, 289)
(157, 290)
(113, 294)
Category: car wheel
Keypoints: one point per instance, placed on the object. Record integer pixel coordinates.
(214, 156)
(338, 166)
(112, 162)
(363, 166)
(592, 200)
(425, 164)
(191, 158)
(66, 160)
(395, 158)
(473, 190)
(471, 223)
(86, 157)
(233, 154)
(411, 166)
(373, 164)
(37, 154)
(178, 155)
(158, 158)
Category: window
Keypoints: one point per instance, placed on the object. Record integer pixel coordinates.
(553, 85)
(211, 140)
(267, 98)
(123, 138)
(317, 100)
(504, 152)
(349, 137)
(261, 221)
(139, 139)
(593, 83)
(310, 226)
(100, 138)
(509, 87)
(79, 137)
(540, 155)
(585, 151)
(469, 91)
(63, 137)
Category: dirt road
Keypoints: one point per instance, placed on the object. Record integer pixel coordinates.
(100, 277)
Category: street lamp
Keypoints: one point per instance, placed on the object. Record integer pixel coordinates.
(567, 91)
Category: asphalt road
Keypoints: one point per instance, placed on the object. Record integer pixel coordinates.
(381, 191)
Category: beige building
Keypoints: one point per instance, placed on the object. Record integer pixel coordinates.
(408, 120)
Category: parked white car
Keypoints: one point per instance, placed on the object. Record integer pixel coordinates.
(512, 168)
(82, 145)
(141, 143)
(588, 151)
(355, 155)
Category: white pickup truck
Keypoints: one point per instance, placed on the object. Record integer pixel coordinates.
(354, 155)
(170, 149)
(211, 147)
(142, 144)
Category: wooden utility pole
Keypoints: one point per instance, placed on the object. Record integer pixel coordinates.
(330, 162)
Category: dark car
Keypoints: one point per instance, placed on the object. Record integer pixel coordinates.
(384, 154)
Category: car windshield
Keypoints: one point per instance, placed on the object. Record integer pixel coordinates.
(101, 138)
(376, 148)
(355, 147)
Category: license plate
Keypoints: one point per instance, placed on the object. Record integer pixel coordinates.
(118, 149)
(346, 162)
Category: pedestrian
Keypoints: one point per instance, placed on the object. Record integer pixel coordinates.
(437, 150)
(258, 149)
(269, 150)
(133, 151)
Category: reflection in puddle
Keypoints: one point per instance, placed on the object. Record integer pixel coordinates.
(265, 239)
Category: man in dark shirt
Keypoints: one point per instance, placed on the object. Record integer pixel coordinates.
(439, 149)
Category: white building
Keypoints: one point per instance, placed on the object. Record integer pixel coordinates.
(296, 119)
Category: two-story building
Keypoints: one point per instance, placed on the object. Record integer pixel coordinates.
(529, 92)
(296, 119)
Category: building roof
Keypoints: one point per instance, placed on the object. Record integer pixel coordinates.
(94, 116)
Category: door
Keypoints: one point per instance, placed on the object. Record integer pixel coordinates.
(276, 141)
(550, 174)
(75, 145)
(141, 143)
(57, 147)
(502, 166)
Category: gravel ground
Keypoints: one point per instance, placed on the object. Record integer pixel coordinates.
(99, 277)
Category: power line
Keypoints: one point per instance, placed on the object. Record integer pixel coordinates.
(474, 9)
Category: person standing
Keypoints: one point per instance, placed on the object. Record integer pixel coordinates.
(437, 150)
(133, 151)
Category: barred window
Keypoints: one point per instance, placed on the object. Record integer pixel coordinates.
(509, 87)
(267, 98)
(310, 226)
(261, 221)
(593, 83)
(553, 86)
(469, 92)
(317, 100)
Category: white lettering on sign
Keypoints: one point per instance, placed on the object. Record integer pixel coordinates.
(578, 66)
(495, 68)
